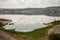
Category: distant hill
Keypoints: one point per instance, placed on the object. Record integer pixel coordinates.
(50, 11)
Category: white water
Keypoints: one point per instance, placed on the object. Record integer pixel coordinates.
(27, 23)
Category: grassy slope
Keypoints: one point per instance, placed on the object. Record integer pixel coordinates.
(36, 34)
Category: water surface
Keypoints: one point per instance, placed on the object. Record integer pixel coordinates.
(28, 22)
(25, 28)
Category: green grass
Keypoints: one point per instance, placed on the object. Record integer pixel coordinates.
(37, 33)
(56, 22)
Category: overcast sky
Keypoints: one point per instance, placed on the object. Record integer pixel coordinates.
(28, 3)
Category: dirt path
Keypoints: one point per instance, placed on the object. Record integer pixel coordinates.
(5, 36)
(55, 29)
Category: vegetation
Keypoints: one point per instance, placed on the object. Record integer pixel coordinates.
(54, 37)
(1, 25)
(56, 22)
(36, 34)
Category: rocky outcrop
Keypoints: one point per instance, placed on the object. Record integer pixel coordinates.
(4, 22)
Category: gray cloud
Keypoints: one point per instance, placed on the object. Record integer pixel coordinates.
(28, 3)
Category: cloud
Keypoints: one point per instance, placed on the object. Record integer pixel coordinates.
(3, 0)
(28, 3)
